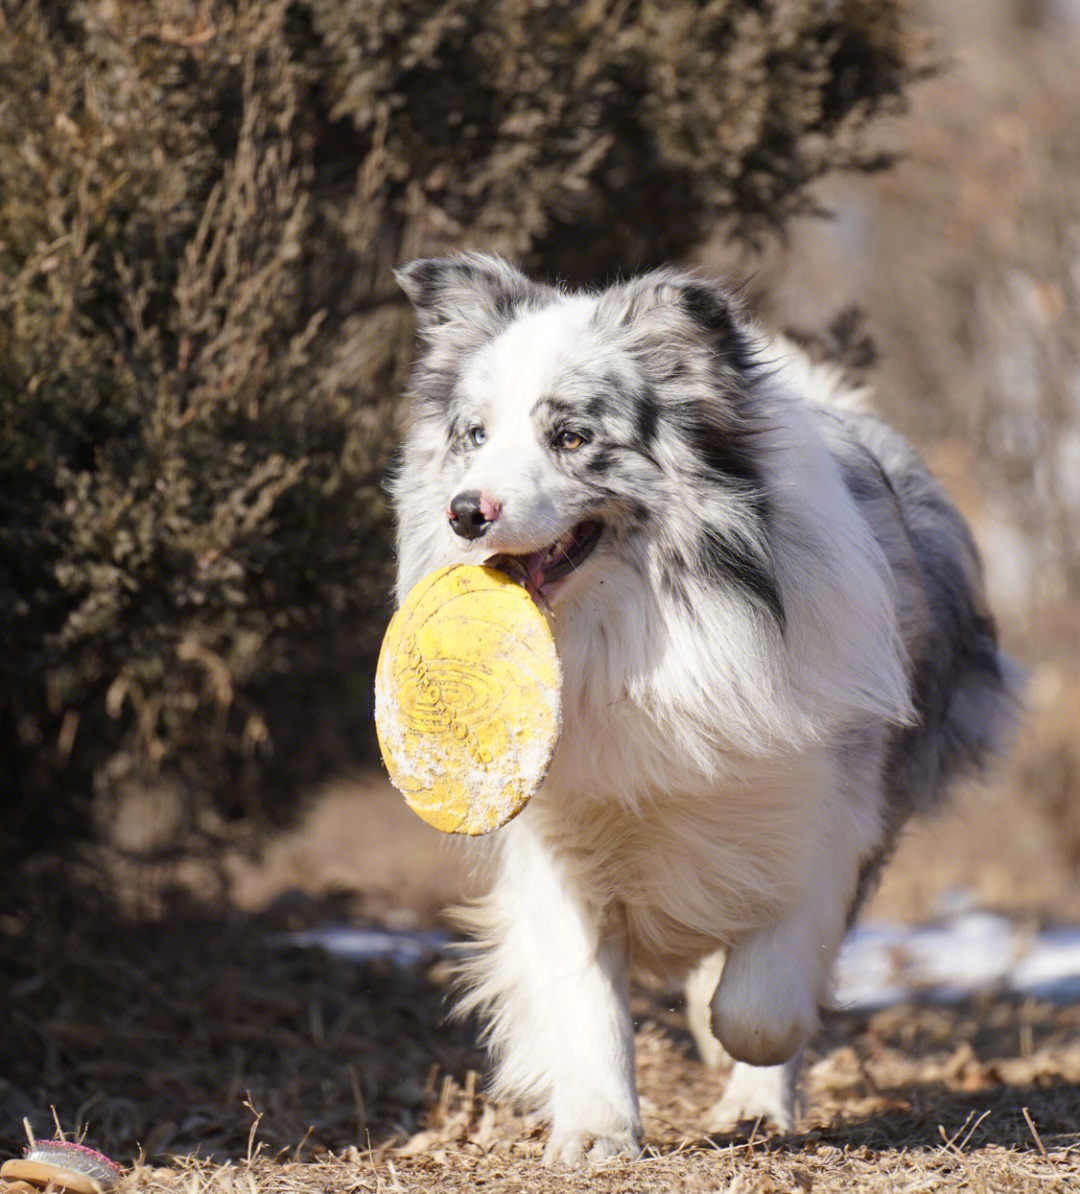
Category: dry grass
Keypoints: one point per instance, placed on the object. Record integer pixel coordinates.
(732, 1170)
(227, 1064)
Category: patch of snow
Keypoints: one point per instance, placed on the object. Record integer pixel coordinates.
(969, 953)
(1051, 968)
(359, 943)
(964, 955)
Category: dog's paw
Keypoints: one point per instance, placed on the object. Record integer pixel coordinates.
(765, 1093)
(574, 1149)
(762, 1038)
(764, 1011)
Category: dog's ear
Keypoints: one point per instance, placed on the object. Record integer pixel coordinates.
(677, 310)
(716, 309)
(472, 291)
(709, 304)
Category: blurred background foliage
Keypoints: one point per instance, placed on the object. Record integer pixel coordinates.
(202, 351)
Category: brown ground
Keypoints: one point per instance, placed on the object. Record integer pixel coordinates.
(171, 1037)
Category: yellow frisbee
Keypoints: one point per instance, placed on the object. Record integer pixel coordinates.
(467, 698)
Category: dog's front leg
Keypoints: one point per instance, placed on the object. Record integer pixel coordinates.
(766, 1004)
(564, 1025)
(768, 1093)
(594, 1105)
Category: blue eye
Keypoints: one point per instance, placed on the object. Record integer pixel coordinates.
(476, 435)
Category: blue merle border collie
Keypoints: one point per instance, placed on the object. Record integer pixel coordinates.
(775, 648)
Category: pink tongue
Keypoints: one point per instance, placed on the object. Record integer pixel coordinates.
(534, 565)
(526, 569)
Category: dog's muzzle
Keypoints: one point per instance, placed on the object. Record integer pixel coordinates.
(470, 513)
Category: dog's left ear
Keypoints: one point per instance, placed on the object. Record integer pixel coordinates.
(709, 305)
(672, 306)
(718, 312)
(472, 290)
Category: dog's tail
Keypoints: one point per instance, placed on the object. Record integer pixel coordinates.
(823, 383)
(966, 690)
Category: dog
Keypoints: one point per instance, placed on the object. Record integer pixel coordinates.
(775, 648)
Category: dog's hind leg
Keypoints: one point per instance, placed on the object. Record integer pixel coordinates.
(769, 1093)
(698, 993)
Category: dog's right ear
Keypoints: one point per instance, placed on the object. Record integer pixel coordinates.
(472, 291)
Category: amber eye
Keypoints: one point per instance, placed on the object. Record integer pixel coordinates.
(569, 441)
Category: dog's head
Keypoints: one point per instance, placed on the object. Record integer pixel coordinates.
(554, 428)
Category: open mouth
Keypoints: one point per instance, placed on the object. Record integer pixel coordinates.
(539, 570)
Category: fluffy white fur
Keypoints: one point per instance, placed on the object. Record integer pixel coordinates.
(756, 692)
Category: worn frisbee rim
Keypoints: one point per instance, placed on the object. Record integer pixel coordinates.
(63, 1165)
(468, 692)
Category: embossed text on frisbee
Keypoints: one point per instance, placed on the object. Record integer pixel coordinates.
(433, 693)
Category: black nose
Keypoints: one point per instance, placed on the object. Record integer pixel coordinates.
(467, 516)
